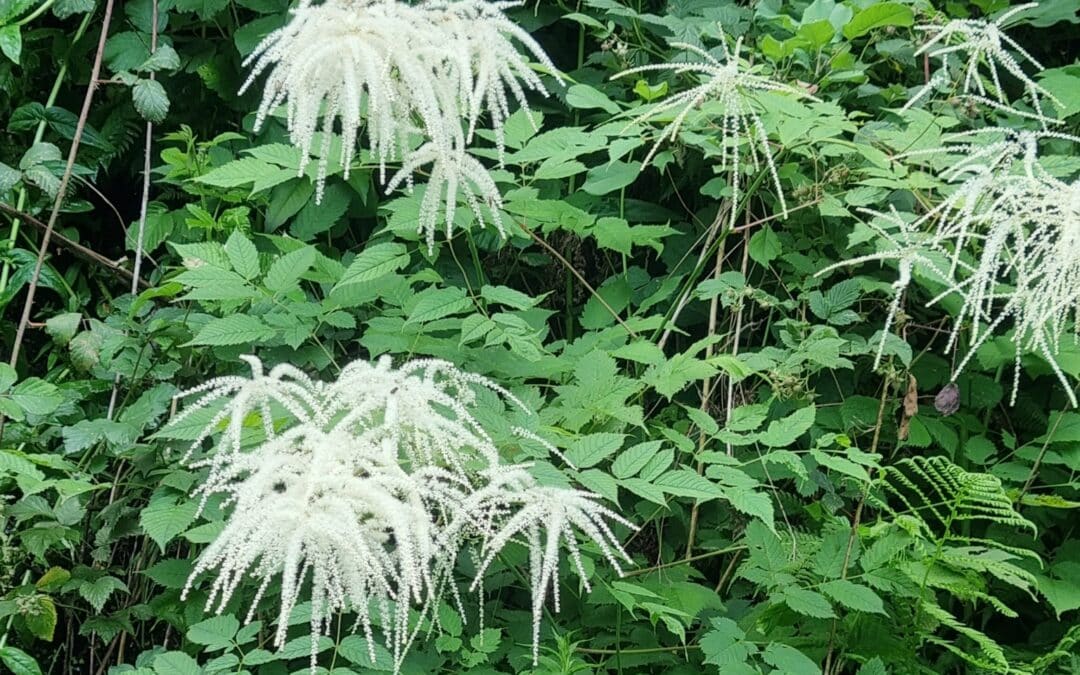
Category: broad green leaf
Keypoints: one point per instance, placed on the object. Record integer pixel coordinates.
(176, 663)
(764, 246)
(286, 270)
(235, 329)
(167, 516)
(782, 433)
(724, 645)
(243, 256)
(634, 459)
(584, 97)
(592, 449)
(610, 177)
(150, 100)
(171, 573)
(40, 617)
(373, 262)
(214, 633)
(807, 602)
(11, 43)
(62, 327)
(788, 660)
(853, 596)
(98, 592)
(687, 483)
(756, 504)
(18, 661)
(36, 396)
(878, 15)
(436, 303)
(508, 296)
(246, 171)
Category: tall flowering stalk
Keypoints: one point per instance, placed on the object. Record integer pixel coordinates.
(370, 486)
(414, 79)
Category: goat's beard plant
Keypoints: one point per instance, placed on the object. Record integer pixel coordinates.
(372, 487)
(418, 76)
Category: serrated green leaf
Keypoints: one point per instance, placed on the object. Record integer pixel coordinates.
(285, 272)
(235, 329)
(11, 43)
(781, 433)
(36, 396)
(150, 100)
(590, 450)
(808, 603)
(216, 632)
(878, 15)
(854, 596)
(98, 592)
(18, 661)
(243, 255)
(373, 262)
(687, 483)
(634, 459)
(436, 303)
(166, 516)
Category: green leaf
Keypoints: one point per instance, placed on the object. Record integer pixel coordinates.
(765, 246)
(176, 663)
(62, 327)
(164, 58)
(18, 661)
(246, 171)
(286, 270)
(7, 377)
(97, 592)
(854, 596)
(874, 666)
(634, 458)
(11, 43)
(782, 433)
(36, 396)
(592, 449)
(725, 645)
(150, 100)
(610, 177)
(509, 297)
(807, 602)
(687, 483)
(235, 329)
(172, 573)
(373, 262)
(214, 633)
(788, 660)
(878, 15)
(243, 256)
(167, 516)
(436, 303)
(756, 504)
(584, 97)
(40, 617)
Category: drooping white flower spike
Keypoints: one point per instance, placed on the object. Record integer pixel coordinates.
(374, 485)
(416, 78)
(732, 86)
(982, 44)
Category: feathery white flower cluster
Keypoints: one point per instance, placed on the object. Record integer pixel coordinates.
(372, 486)
(732, 86)
(983, 42)
(1006, 241)
(420, 76)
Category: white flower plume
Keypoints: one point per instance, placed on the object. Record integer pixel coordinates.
(409, 76)
(370, 486)
(984, 45)
(732, 86)
(1008, 234)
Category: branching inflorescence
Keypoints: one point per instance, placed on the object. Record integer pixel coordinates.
(419, 76)
(982, 44)
(371, 487)
(732, 86)
(1005, 240)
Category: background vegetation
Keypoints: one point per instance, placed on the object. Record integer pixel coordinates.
(800, 510)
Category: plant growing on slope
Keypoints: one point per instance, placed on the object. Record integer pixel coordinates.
(376, 482)
(415, 75)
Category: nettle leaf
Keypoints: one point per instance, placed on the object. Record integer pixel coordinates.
(150, 100)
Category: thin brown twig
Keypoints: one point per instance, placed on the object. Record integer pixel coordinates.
(579, 277)
(76, 139)
(75, 247)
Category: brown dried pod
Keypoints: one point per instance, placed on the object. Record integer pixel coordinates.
(947, 400)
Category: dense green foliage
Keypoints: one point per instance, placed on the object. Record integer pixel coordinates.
(800, 510)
